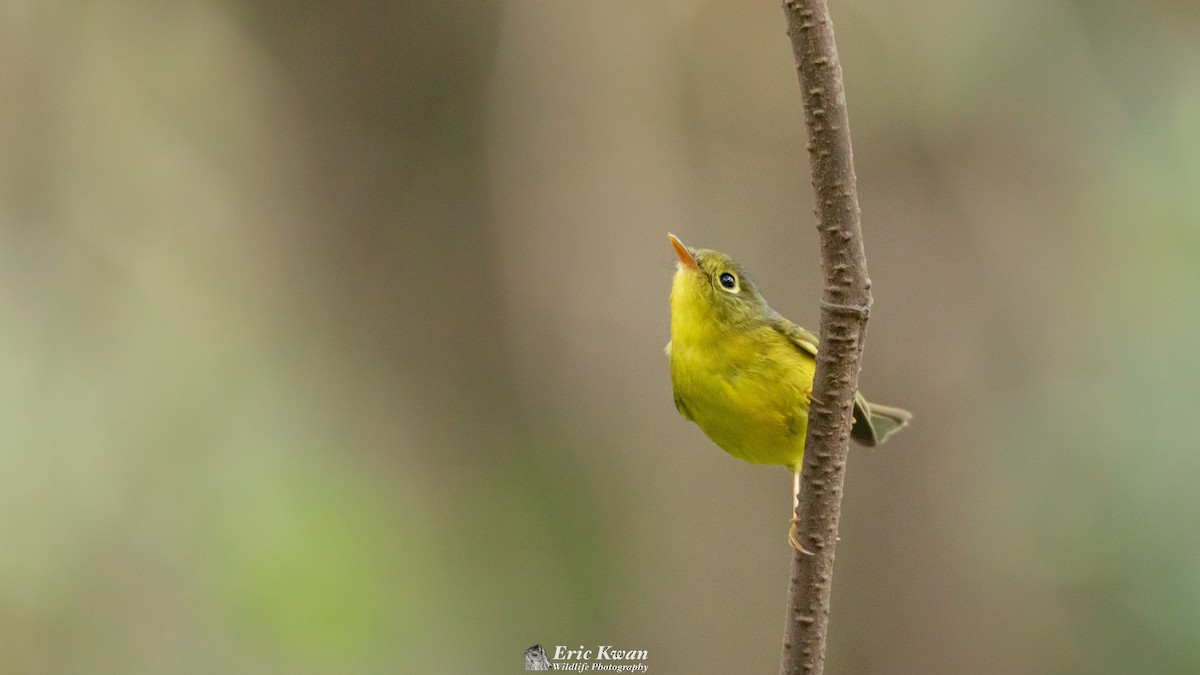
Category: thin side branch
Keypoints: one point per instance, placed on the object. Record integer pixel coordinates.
(845, 304)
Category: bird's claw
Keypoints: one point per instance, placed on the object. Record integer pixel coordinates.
(795, 540)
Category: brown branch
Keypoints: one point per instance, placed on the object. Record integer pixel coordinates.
(845, 304)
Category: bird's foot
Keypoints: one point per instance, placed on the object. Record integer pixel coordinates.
(808, 395)
(794, 540)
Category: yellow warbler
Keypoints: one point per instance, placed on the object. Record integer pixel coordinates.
(743, 373)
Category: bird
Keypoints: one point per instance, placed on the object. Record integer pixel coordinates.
(535, 659)
(744, 374)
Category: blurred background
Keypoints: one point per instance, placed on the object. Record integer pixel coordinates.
(332, 334)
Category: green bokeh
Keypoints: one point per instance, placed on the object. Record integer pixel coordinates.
(332, 335)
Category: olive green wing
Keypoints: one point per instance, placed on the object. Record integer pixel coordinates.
(802, 339)
(870, 426)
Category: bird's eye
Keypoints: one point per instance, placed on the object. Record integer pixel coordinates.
(728, 282)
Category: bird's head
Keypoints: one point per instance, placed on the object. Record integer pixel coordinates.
(711, 287)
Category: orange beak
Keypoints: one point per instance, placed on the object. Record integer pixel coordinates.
(685, 256)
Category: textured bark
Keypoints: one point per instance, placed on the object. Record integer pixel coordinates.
(846, 301)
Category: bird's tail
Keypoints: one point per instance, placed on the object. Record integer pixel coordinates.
(873, 423)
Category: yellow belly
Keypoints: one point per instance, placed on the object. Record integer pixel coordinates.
(746, 392)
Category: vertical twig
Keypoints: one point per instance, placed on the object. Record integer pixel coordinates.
(845, 303)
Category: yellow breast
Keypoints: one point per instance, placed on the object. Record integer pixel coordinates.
(744, 387)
